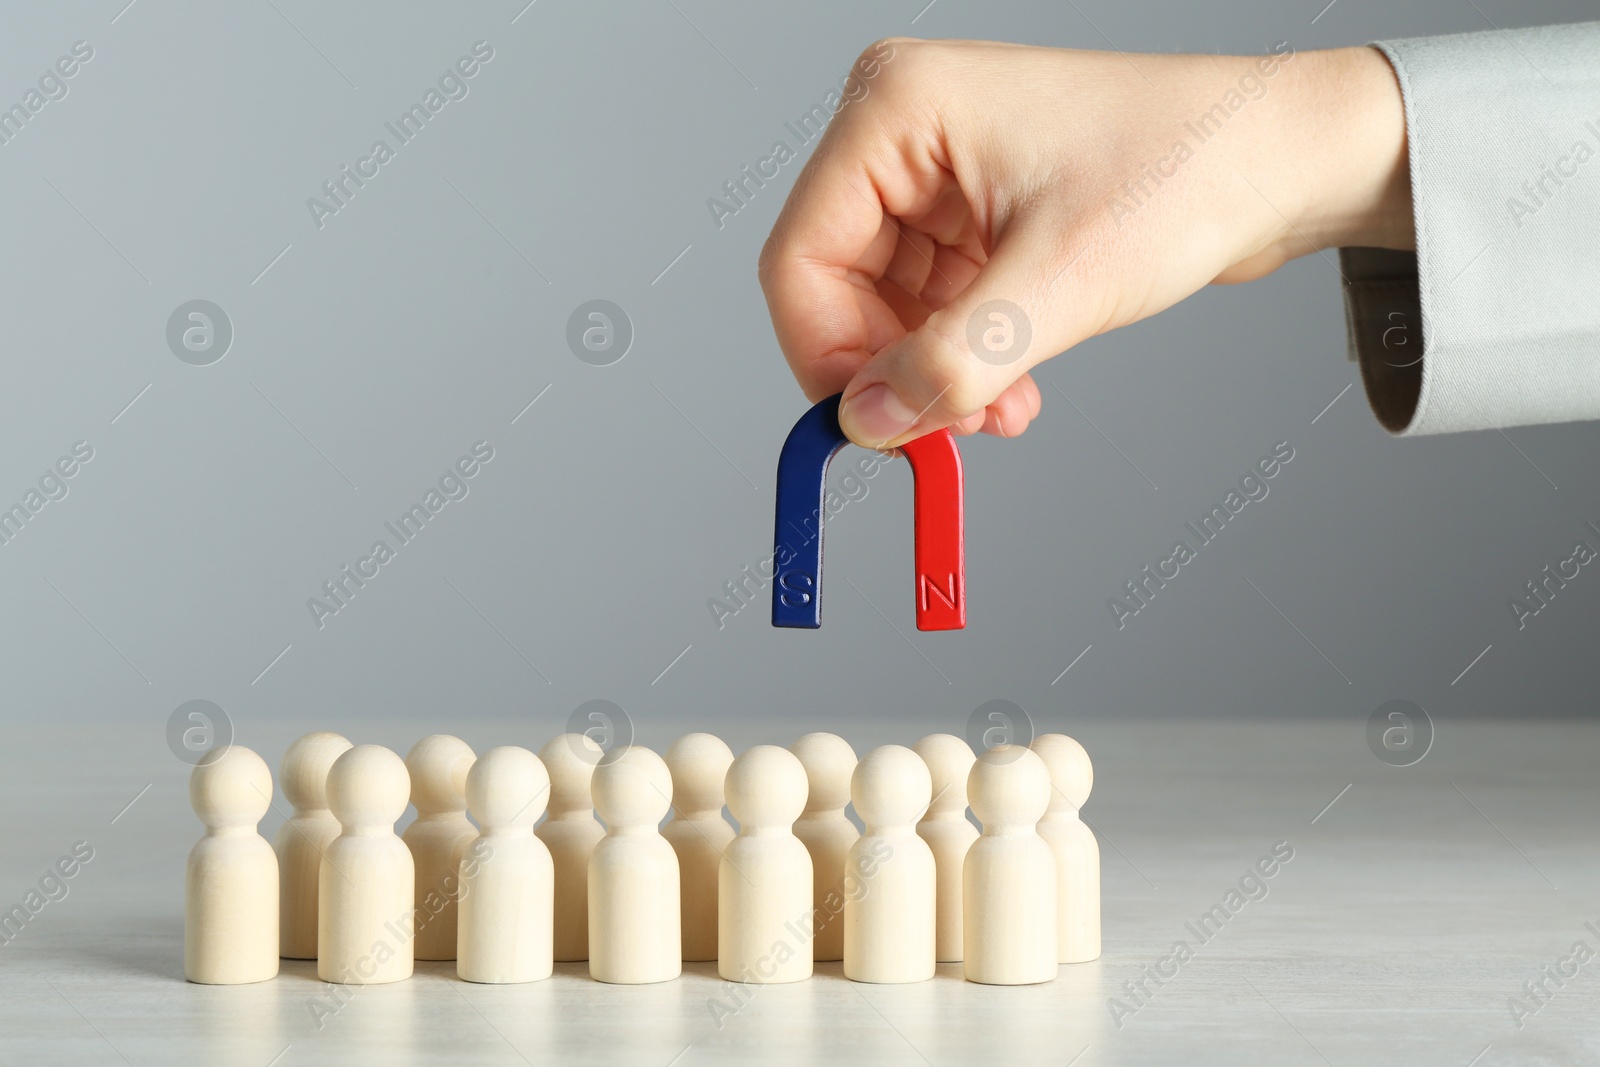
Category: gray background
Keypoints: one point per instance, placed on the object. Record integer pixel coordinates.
(370, 354)
(426, 315)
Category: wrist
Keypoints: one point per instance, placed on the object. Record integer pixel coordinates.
(1352, 117)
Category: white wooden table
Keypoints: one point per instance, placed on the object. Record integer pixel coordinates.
(1413, 911)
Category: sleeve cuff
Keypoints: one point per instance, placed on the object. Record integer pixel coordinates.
(1383, 314)
(1504, 139)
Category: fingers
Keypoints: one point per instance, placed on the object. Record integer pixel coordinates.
(843, 276)
(925, 298)
(820, 269)
(1011, 413)
(1014, 409)
(965, 366)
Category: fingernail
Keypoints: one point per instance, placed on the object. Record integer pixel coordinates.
(875, 416)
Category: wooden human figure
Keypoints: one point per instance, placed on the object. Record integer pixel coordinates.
(948, 832)
(890, 919)
(570, 833)
(827, 833)
(303, 838)
(438, 837)
(1009, 881)
(230, 909)
(764, 907)
(699, 834)
(367, 882)
(1076, 850)
(507, 880)
(634, 936)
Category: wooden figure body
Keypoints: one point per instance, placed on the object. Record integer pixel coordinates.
(230, 914)
(699, 835)
(303, 839)
(827, 833)
(1009, 881)
(570, 833)
(765, 878)
(1076, 850)
(948, 832)
(507, 897)
(367, 882)
(634, 937)
(890, 920)
(437, 838)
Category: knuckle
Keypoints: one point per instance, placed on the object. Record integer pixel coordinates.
(767, 263)
(888, 61)
(878, 52)
(776, 264)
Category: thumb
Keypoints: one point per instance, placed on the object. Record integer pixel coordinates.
(1011, 317)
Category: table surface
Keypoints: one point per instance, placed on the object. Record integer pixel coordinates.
(1418, 903)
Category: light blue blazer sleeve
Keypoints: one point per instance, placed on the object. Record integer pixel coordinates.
(1495, 321)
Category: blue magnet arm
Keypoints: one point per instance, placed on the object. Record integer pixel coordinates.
(797, 542)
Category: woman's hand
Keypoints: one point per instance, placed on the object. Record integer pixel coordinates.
(986, 206)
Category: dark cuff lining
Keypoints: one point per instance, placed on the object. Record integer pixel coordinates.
(1383, 313)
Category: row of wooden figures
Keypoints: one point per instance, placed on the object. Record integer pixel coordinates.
(796, 883)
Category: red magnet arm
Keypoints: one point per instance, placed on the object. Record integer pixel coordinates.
(937, 529)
